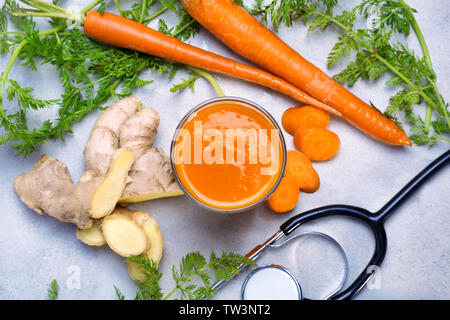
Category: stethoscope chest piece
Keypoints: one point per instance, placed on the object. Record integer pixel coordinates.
(271, 282)
(274, 282)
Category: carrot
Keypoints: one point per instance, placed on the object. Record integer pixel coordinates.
(318, 144)
(241, 32)
(304, 116)
(129, 34)
(299, 167)
(285, 197)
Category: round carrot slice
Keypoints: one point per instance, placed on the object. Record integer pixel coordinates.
(285, 197)
(304, 116)
(318, 144)
(301, 169)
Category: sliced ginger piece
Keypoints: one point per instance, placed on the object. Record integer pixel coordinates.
(109, 192)
(149, 196)
(155, 251)
(92, 236)
(123, 235)
(153, 233)
(154, 237)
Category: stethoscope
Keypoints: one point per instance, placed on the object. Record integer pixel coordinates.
(375, 222)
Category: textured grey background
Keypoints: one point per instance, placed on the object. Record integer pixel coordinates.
(36, 249)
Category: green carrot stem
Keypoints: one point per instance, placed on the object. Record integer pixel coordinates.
(12, 32)
(419, 33)
(39, 14)
(13, 58)
(45, 6)
(143, 10)
(90, 6)
(155, 14)
(210, 79)
(426, 54)
(181, 283)
(381, 59)
(409, 82)
(118, 7)
(177, 32)
(441, 102)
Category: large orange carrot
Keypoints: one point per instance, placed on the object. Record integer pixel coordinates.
(247, 36)
(126, 33)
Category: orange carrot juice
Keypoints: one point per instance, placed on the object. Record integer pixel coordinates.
(228, 154)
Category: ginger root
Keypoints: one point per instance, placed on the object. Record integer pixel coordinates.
(122, 166)
(125, 125)
(48, 188)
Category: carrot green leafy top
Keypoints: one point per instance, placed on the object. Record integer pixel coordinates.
(91, 74)
(374, 54)
(193, 277)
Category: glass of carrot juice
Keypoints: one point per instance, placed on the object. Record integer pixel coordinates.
(228, 154)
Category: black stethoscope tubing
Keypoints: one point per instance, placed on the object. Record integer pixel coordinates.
(375, 221)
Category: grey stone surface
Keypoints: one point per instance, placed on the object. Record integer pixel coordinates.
(36, 249)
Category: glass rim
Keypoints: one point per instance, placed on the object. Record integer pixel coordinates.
(269, 117)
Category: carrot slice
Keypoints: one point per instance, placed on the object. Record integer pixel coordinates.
(285, 197)
(304, 116)
(318, 144)
(301, 169)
